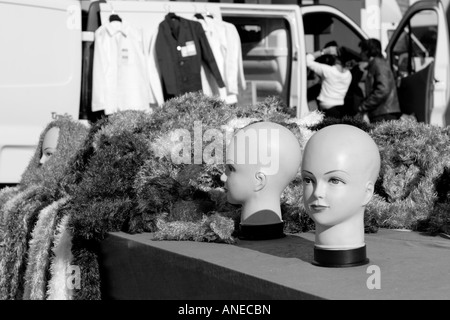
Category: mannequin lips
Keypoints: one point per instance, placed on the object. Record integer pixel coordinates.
(317, 207)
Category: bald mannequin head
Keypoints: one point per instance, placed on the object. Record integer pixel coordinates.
(262, 159)
(49, 144)
(339, 170)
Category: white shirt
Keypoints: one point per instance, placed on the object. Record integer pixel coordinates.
(335, 83)
(154, 75)
(120, 80)
(226, 46)
(216, 39)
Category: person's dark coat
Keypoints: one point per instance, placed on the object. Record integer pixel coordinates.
(381, 90)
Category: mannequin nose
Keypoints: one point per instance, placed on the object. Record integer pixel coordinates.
(319, 190)
(43, 159)
(223, 178)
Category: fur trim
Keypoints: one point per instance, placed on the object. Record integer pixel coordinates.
(18, 225)
(57, 288)
(38, 254)
(213, 228)
(6, 194)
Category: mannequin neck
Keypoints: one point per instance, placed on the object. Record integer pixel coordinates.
(261, 203)
(348, 234)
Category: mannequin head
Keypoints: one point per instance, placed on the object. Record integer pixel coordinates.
(262, 159)
(49, 144)
(339, 170)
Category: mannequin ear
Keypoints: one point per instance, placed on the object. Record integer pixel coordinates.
(261, 181)
(370, 189)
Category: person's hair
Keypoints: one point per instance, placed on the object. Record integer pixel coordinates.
(372, 47)
(330, 59)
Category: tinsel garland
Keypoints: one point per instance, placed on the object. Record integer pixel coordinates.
(58, 287)
(19, 223)
(413, 156)
(39, 251)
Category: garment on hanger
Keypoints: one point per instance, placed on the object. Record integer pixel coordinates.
(234, 66)
(154, 74)
(181, 47)
(120, 79)
(216, 39)
(226, 45)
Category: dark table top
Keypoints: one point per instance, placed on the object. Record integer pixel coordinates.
(410, 265)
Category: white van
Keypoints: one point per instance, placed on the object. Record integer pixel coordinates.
(48, 50)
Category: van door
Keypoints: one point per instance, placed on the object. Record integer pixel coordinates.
(418, 55)
(40, 65)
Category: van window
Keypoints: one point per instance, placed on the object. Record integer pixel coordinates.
(266, 55)
(323, 27)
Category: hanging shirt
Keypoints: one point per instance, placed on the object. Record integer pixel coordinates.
(226, 44)
(234, 67)
(120, 79)
(216, 40)
(181, 47)
(154, 74)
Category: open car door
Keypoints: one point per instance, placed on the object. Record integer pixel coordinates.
(418, 55)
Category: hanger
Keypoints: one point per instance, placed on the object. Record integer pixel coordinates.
(207, 13)
(113, 16)
(170, 14)
(197, 14)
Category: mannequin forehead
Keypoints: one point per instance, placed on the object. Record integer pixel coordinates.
(51, 138)
(341, 147)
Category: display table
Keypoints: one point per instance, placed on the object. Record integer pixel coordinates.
(411, 266)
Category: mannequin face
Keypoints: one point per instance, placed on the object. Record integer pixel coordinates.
(339, 170)
(49, 144)
(239, 182)
(333, 190)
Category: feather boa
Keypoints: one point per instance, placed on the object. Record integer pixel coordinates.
(7, 193)
(19, 221)
(38, 254)
(213, 228)
(57, 288)
(6, 199)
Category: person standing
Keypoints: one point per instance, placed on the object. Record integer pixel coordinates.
(336, 79)
(381, 99)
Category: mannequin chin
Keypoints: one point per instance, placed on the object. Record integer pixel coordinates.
(339, 169)
(49, 144)
(262, 159)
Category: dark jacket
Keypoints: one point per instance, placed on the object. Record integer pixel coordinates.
(181, 47)
(381, 91)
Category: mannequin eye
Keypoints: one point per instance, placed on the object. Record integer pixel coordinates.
(336, 181)
(229, 168)
(307, 180)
